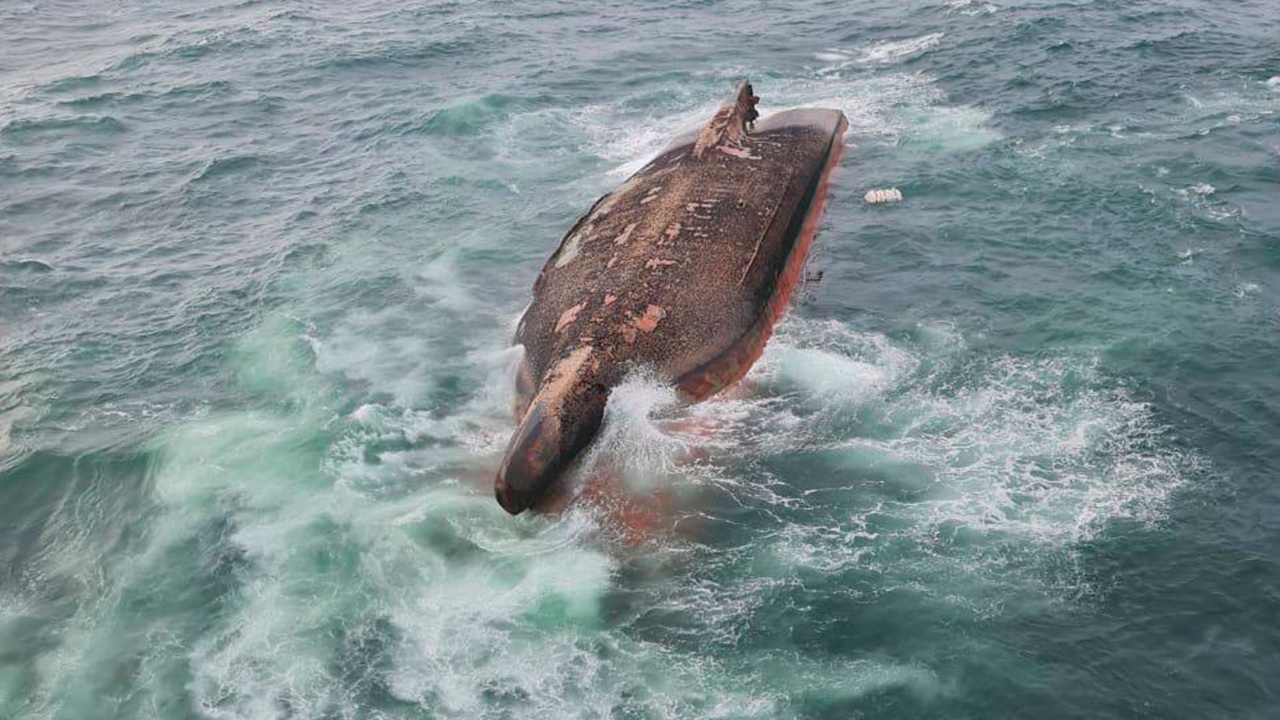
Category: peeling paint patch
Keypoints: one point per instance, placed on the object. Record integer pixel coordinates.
(569, 251)
(568, 316)
(653, 194)
(626, 234)
(743, 153)
(652, 315)
(562, 375)
(655, 263)
(608, 299)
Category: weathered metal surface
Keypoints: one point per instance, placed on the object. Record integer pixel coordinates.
(683, 269)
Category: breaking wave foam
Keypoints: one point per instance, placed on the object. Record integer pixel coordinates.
(897, 108)
(886, 52)
(923, 459)
(375, 567)
(970, 7)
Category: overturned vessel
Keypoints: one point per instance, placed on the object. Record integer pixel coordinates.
(683, 269)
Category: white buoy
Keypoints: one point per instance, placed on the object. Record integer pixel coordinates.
(886, 195)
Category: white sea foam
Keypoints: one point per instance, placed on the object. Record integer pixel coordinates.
(12, 607)
(451, 616)
(886, 52)
(833, 363)
(896, 108)
(399, 363)
(971, 7)
(1246, 289)
(1214, 109)
(895, 51)
(1040, 455)
(379, 563)
(632, 141)
(465, 610)
(632, 438)
(1202, 200)
(10, 453)
(833, 55)
(18, 404)
(1205, 112)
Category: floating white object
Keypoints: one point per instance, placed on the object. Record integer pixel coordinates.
(883, 196)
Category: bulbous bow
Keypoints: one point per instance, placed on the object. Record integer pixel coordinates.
(560, 421)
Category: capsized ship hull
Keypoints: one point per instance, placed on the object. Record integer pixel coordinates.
(685, 268)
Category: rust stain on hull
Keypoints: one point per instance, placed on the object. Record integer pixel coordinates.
(707, 249)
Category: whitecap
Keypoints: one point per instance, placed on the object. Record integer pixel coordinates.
(1245, 289)
(971, 7)
(895, 51)
(832, 56)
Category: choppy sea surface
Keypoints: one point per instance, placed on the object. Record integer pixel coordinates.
(1012, 454)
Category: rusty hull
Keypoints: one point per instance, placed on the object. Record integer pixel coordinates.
(683, 269)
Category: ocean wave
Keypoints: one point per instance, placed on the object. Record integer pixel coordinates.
(73, 83)
(13, 414)
(364, 560)
(471, 117)
(896, 51)
(971, 7)
(203, 90)
(401, 54)
(229, 165)
(28, 265)
(1237, 107)
(22, 130)
(314, 535)
(887, 52)
(897, 109)
(920, 447)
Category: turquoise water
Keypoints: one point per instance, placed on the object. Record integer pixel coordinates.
(1010, 456)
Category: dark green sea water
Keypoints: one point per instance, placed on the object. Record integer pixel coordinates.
(1012, 456)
